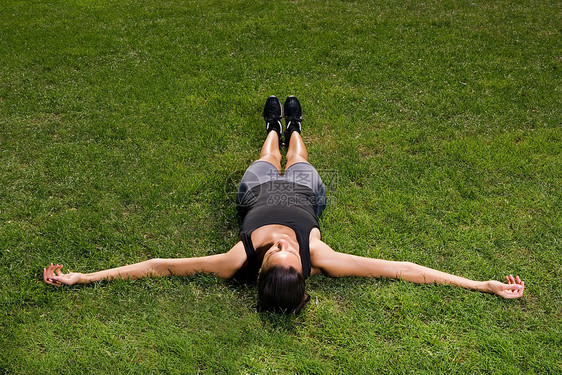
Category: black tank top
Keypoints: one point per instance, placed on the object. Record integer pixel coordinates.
(278, 202)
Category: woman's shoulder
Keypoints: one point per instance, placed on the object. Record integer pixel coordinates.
(315, 235)
(320, 253)
(235, 258)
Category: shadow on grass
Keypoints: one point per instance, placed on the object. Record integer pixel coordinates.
(280, 322)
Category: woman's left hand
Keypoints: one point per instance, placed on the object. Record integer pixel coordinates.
(513, 289)
(52, 275)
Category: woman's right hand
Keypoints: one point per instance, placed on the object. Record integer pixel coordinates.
(513, 289)
(53, 275)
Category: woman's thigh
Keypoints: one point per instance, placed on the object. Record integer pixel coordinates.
(259, 172)
(304, 173)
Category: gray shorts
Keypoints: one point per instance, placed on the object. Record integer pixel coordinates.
(261, 171)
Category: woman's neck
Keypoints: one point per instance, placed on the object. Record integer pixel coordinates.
(264, 237)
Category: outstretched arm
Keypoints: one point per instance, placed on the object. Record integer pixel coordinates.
(337, 264)
(222, 265)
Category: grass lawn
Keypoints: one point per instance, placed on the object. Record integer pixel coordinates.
(124, 126)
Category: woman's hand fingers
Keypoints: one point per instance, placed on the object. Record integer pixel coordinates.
(514, 289)
(53, 275)
(49, 274)
(512, 293)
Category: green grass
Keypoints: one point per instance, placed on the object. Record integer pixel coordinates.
(123, 128)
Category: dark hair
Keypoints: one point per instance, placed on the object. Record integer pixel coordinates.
(281, 290)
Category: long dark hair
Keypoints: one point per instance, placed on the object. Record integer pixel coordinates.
(281, 290)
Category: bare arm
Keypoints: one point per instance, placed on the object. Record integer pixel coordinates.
(222, 265)
(337, 264)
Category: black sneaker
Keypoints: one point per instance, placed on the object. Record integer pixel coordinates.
(272, 114)
(293, 117)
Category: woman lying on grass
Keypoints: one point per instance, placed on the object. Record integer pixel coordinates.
(280, 243)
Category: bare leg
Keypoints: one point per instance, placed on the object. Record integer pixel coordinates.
(297, 150)
(270, 150)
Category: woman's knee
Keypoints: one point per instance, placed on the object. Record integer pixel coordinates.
(273, 159)
(294, 160)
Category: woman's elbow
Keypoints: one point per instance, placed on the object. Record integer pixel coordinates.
(404, 269)
(157, 267)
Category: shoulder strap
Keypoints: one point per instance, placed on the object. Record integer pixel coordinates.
(304, 249)
(252, 262)
(248, 245)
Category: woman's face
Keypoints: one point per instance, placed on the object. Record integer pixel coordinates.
(282, 254)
